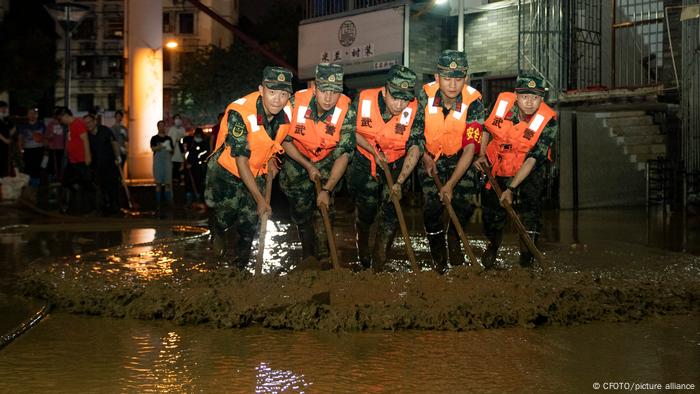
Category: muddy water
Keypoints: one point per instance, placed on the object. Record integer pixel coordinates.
(69, 353)
(606, 269)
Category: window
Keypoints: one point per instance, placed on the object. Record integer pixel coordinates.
(115, 66)
(114, 27)
(111, 101)
(167, 59)
(85, 30)
(186, 23)
(86, 102)
(167, 23)
(85, 66)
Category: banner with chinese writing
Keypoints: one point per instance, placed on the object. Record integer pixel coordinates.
(364, 42)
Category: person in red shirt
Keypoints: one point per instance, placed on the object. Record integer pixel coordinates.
(77, 179)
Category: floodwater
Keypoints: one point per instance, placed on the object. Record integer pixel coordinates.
(75, 353)
(68, 353)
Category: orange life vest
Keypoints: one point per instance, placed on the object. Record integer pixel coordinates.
(511, 143)
(262, 147)
(316, 140)
(390, 137)
(444, 134)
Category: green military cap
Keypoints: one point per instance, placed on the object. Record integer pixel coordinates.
(452, 64)
(529, 83)
(329, 77)
(277, 78)
(401, 83)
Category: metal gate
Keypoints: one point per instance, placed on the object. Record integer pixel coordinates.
(637, 42)
(690, 96)
(582, 44)
(541, 41)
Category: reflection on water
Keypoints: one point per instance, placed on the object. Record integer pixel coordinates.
(159, 364)
(269, 380)
(104, 355)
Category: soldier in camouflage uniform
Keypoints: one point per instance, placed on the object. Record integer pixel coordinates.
(454, 117)
(389, 128)
(321, 142)
(252, 130)
(517, 138)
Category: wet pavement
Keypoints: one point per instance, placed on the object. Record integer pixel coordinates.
(629, 265)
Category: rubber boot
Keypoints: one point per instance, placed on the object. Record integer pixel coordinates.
(526, 258)
(243, 251)
(307, 236)
(438, 251)
(454, 247)
(488, 259)
(218, 235)
(363, 251)
(382, 246)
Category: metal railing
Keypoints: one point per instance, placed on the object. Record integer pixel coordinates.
(321, 8)
(690, 93)
(637, 42)
(583, 44)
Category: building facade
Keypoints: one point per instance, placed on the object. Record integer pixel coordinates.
(610, 69)
(97, 49)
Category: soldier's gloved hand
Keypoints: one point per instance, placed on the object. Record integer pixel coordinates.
(481, 163)
(446, 194)
(264, 209)
(506, 197)
(313, 173)
(429, 165)
(323, 199)
(396, 190)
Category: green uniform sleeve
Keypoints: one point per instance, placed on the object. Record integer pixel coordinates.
(475, 113)
(289, 138)
(347, 142)
(546, 140)
(417, 137)
(237, 135)
(422, 99)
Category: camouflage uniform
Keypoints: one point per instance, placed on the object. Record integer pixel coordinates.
(529, 193)
(372, 195)
(451, 64)
(232, 204)
(294, 179)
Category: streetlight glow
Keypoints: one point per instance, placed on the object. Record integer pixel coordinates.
(172, 44)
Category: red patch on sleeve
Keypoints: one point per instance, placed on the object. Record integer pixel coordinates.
(472, 135)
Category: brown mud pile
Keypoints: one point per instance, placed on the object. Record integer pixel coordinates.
(342, 300)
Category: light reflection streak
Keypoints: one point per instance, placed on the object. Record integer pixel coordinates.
(270, 380)
(277, 246)
(159, 364)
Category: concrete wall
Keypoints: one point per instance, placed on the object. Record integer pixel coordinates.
(491, 41)
(427, 40)
(606, 177)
